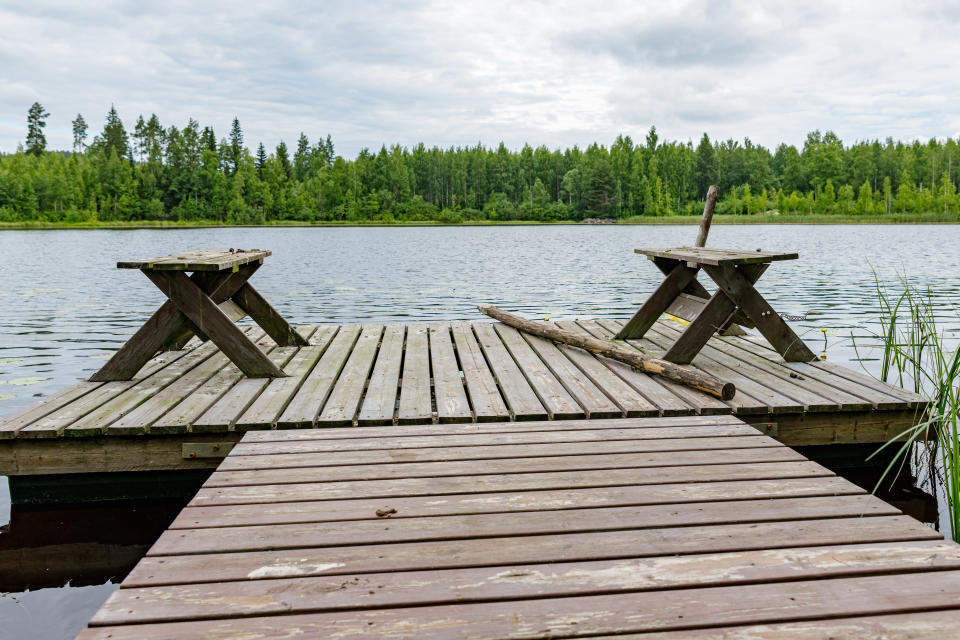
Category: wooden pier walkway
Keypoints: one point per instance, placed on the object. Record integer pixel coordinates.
(680, 527)
(186, 408)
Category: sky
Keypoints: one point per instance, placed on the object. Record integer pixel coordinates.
(459, 73)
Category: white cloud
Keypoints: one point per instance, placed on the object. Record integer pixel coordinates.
(453, 73)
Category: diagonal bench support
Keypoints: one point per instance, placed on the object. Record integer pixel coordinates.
(204, 304)
(739, 288)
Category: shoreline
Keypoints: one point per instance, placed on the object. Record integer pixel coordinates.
(798, 219)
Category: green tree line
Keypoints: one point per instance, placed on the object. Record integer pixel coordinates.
(165, 173)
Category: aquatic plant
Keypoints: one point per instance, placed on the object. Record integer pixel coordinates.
(918, 354)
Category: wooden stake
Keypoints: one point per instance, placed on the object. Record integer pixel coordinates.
(712, 194)
(678, 373)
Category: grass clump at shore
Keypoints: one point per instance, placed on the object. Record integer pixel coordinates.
(918, 354)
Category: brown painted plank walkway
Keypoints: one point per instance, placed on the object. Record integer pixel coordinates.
(445, 373)
(689, 526)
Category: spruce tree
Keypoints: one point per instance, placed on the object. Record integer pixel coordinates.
(114, 136)
(236, 145)
(261, 160)
(36, 121)
(79, 134)
(283, 157)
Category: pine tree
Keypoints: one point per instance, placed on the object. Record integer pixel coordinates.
(283, 157)
(79, 134)
(36, 121)
(236, 145)
(301, 158)
(260, 160)
(208, 139)
(114, 136)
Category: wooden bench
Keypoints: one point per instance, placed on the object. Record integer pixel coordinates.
(206, 304)
(735, 272)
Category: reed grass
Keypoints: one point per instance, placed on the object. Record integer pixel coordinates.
(918, 354)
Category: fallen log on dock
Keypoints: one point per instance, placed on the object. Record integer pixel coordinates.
(678, 373)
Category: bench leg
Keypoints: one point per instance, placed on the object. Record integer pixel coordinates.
(740, 289)
(677, 280)
(209, 318)
(167, 328)
(263, 313)
(718, 311)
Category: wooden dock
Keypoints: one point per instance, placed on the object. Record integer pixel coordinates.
(681, 527)
(186, 408)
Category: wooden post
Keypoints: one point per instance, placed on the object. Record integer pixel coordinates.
(712, 194)
(678, 373)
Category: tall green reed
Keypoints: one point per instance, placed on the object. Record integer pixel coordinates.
(918, 354)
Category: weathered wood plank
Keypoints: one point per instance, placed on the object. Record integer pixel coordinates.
(381, 397)
(504, 502)
(389, 443)
(10, 425)
(520, 397)
(590, 397)
(269, 405)
(497, 451)
(508, 465)
(491, 428)
(95, 422)
(516, 582)
(191, 541)
(415, 406)
(712, 256)
(558, 402)
(488, 405)
(630, 401)
(882, 396)
(342, 404)
(617, 613)
(138, 421)
(448, 385)
(833, 398)
(200, 260)
(778, 398)
(103, 454)
(647, 363)
(304, 407)
(561, 547)
(182, 417)
(661, 393)
(53, 423)
(214, 492)
(223, 414)
(742, 404)
(701, 402)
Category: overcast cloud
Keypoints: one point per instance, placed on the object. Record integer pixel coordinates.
(461, 72)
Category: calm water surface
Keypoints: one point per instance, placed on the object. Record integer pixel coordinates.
(64, 308)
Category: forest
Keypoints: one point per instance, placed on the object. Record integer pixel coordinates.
(156, 172)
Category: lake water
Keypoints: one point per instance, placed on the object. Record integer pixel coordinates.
(64, 308)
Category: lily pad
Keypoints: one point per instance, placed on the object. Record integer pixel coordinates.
(23, 382)
(10, 360)
(7, 396)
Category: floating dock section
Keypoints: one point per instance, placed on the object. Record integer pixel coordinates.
(187, 408)
(678, 527)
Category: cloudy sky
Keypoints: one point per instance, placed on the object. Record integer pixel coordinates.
(461, 72)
